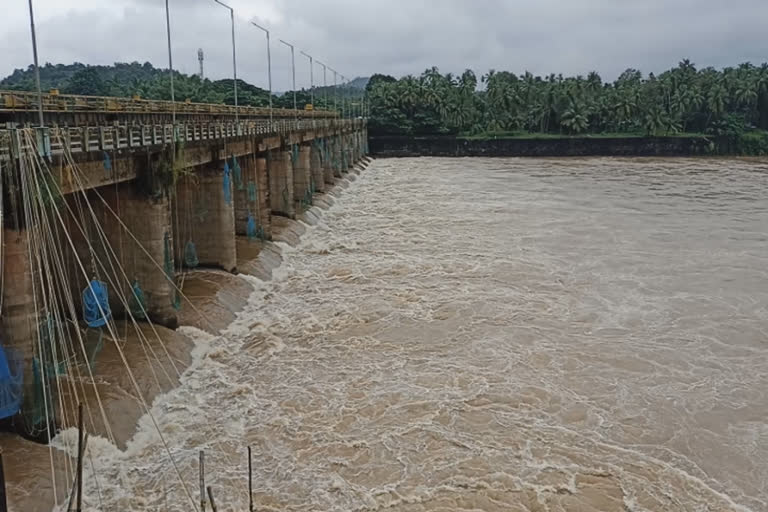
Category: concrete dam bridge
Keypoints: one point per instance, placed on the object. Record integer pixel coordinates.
(105, 208)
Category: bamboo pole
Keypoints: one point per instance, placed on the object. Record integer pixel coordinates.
(210, 498)
(250, 482)
(3, 500)
(80, 431)
(202, 481)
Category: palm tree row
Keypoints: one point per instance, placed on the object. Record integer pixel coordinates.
(683, 99)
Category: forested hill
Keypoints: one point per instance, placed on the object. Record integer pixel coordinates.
(127, 79)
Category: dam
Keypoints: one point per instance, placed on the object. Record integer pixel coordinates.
(108, 209)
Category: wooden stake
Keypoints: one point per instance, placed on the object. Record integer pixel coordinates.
(80, 432)
(250, 482)
(210, 498)
(3, 500)
(202, 481)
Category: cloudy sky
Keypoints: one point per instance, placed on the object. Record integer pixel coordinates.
(361, 37)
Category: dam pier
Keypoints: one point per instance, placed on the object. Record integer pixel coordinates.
(106, 206)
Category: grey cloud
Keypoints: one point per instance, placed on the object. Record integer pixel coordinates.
(402, 36)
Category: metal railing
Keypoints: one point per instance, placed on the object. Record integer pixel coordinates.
(128, 136)
(23, 101)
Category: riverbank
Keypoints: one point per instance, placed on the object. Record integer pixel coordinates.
(214, 300)
(450, 146)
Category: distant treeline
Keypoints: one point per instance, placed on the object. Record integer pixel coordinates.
(731, 102)
(128, 79)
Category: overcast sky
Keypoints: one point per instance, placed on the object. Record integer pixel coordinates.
(361, 37)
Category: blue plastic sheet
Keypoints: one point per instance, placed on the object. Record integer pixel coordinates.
(96, 310)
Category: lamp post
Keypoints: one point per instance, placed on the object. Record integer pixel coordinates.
(234, 51)
(335, 91)
(311, 78)
(170, 68)
(293, 71)
(311, 84)
(325, 84)
(37, 67)
(269, 70)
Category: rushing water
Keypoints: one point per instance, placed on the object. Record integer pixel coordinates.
(489, 334)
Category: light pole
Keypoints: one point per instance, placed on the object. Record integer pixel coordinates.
(325, 84)
(344, 111)
(335, 91)
(311, 84)
(37, 67)
(269, 71)
(293, 71)
(234, 51)
(170, 68)
(311, 78)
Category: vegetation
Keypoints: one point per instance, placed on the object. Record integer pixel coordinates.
(128, 79)
(731, 103)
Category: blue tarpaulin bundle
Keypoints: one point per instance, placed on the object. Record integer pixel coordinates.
(251, 229)
(10, 384)
(227, 184)
(190, 255)
(252, 195)
(96, 304)
(238, 172)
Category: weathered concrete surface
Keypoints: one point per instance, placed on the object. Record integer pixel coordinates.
(316, 168)
(263, 216)
(327, 161)
(139, 242)
(302, 179)
(19, 320)
(245, 204)
(280, 170)
(206, 217)
(337, 153)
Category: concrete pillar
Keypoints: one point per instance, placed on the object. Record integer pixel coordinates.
(148, 220)
(136, 227)
(263, 215)
(280, 169)
(337, 156)
(19, 320)
(206, 217)
(327, 161)
(316, 167)
(350, 161)
(302, 178)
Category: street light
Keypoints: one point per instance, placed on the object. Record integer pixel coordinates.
(335, 91)
(325, 84)
(311, 79)
(170, 68)
(293, 68)
(311, 84)
(343, 97)
(234, 51)
(269, 70)
(37, 67)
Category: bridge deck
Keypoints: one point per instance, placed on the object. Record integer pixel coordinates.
(24, 101)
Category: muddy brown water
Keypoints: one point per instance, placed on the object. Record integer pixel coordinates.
(476, 334)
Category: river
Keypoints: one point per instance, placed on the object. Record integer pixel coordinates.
(487, 334)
